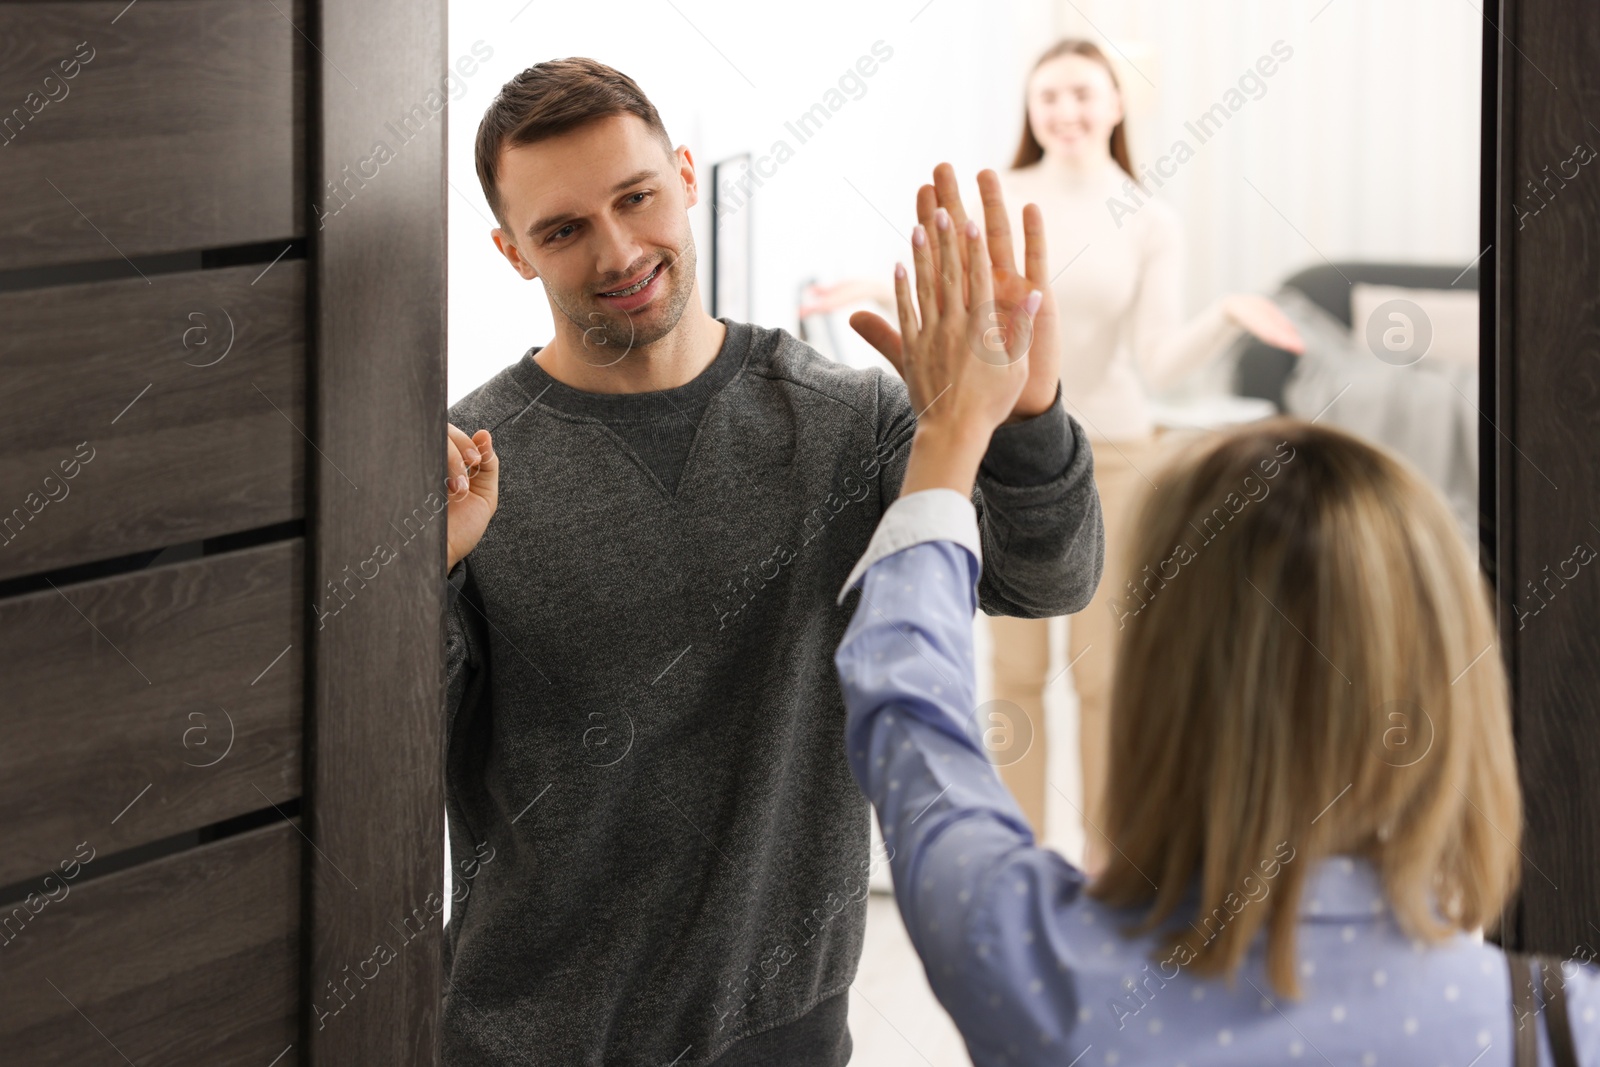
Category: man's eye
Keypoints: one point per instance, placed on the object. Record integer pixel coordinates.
(559, 234)
(637, 197)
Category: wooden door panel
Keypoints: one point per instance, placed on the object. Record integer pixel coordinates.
(192, 959)
(137, 416)
(151, 703)
(181, 126)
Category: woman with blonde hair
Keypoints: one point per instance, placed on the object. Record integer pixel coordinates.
(1312, 803)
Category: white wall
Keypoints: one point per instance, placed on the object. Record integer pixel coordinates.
(1366, 139)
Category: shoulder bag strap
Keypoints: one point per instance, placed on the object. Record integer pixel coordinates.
(1557, 1024)
(1524, 1035)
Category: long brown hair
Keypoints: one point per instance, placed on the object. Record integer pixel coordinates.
(1030, 151)
(1301, 671)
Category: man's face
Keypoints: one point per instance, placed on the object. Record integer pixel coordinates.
(593, 212)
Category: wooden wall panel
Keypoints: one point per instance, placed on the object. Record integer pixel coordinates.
(159, 701)
(189, 960)
(185, 437)
(1546, 439)
(374, 789)
(181, 127)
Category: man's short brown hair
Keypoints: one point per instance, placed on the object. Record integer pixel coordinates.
(552, 98)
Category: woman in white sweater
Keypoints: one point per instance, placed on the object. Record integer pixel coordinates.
(1119, 293)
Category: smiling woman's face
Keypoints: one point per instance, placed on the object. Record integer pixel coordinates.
(594, 211)
(1073, 106)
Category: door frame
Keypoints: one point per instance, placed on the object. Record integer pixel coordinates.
(374, 796)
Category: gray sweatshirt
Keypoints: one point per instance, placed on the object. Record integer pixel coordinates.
(643, 720)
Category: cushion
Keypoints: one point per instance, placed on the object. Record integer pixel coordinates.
(1449, 315)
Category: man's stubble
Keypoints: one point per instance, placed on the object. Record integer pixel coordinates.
(607, 336)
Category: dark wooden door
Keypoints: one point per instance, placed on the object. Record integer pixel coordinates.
(1541, 439)
(219, 778)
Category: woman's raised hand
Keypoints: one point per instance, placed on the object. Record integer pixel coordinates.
(963, 369)
(1010, 287)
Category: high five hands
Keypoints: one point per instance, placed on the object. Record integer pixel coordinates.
(998, 314)
(963, 348)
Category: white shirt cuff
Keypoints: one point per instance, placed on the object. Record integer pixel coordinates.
(928, 515)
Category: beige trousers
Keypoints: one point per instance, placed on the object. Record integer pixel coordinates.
(1123, 472)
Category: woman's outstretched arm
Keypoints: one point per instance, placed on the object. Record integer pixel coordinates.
(980, 900)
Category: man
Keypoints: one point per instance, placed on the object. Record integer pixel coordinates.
(643, 716)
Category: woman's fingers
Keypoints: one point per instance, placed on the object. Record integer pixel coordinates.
(880, 335)
(950, 277)
(989, 326)
(996, 222)
(927, 204)
(927, 278)
(949, 193)
(1035, 255)
(909, 332)
(980, 286)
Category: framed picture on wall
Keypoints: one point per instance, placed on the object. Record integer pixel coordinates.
(730, 243)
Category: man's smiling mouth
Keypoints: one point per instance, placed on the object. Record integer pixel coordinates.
(640, 284)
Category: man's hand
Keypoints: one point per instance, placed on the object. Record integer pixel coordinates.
(472, 488)
(963, 375)
(1009, 288)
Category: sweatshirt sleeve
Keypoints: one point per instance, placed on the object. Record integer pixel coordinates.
(466, 648)
(1038, 509)
(1165, 348)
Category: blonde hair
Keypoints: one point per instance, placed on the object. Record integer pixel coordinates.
(1302, 662)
